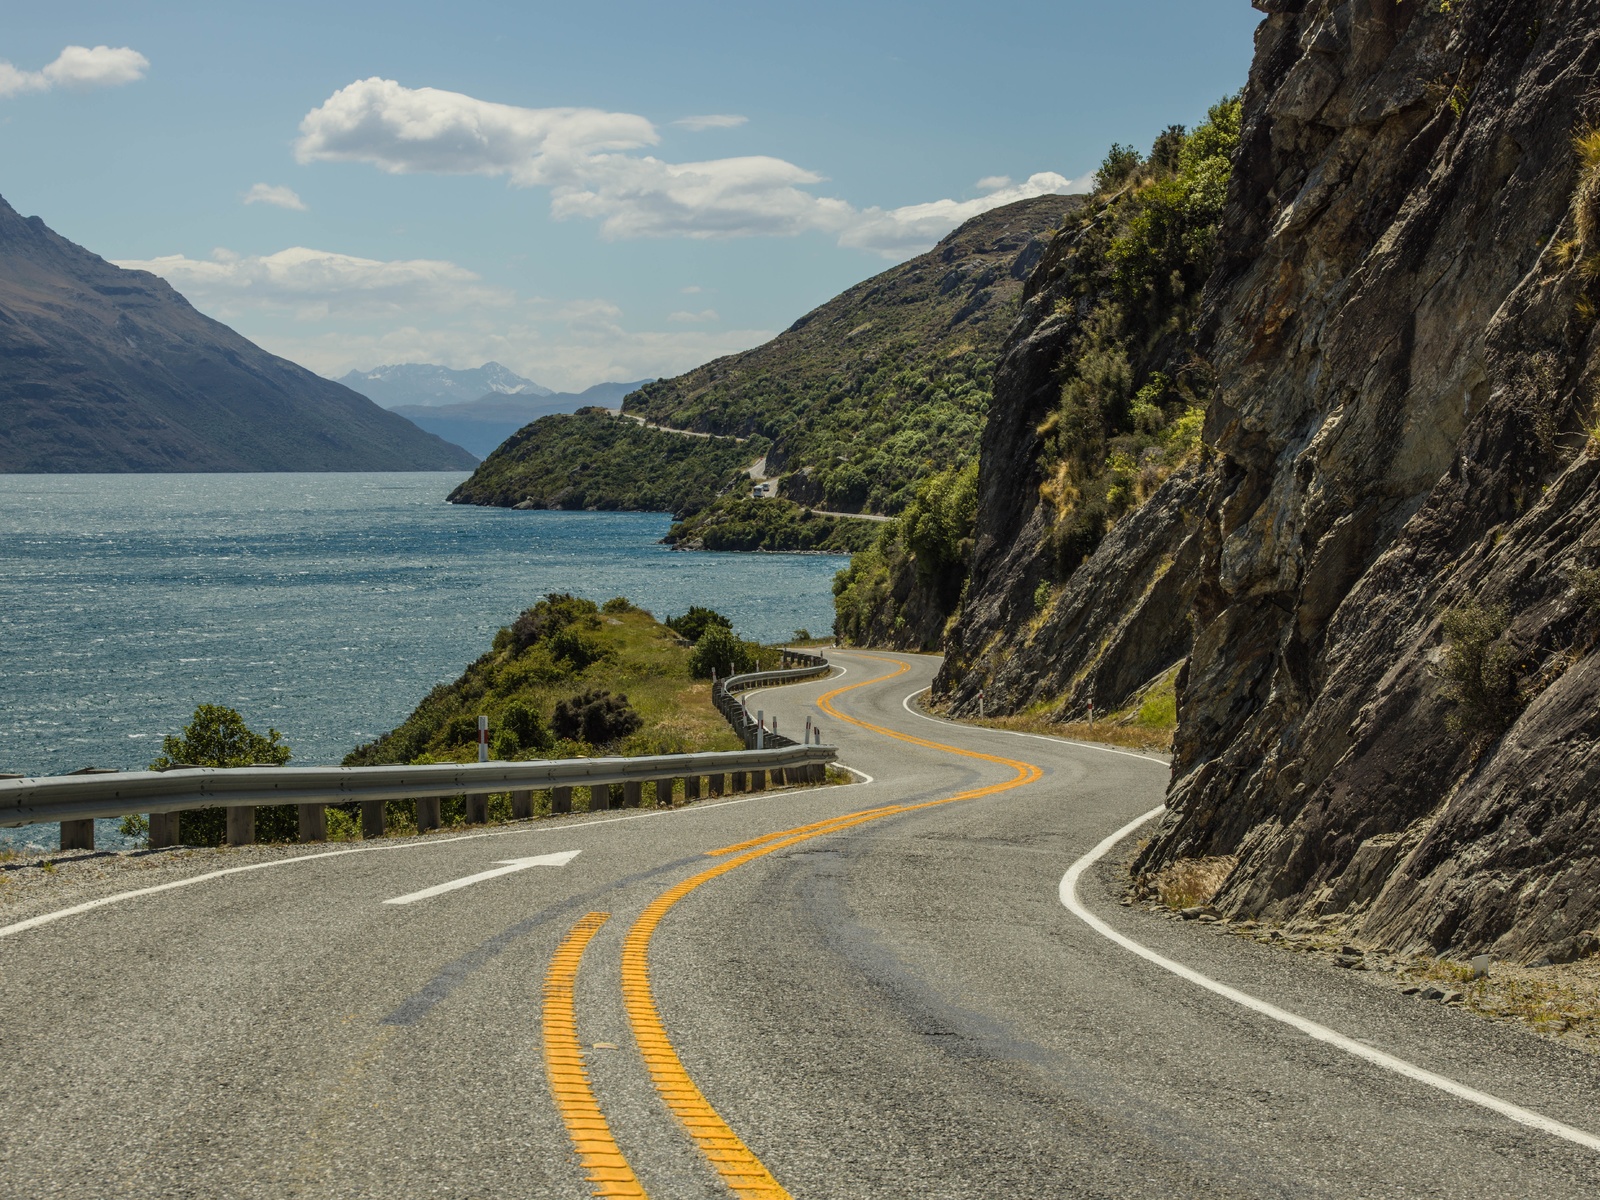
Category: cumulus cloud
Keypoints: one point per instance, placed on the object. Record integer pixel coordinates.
(278, 196)
(311, 285)
(684, 317)
(77, 67)
(710, 121)
(589, 161)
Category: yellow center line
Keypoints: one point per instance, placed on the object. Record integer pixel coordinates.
(745, 1175)
(603, 1163)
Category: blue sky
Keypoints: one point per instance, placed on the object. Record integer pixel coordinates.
(350, 184)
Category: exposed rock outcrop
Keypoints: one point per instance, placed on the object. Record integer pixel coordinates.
(1403, 333)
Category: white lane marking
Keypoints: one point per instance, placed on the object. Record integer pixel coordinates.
(1038, 737)
(861, 775)
(1523, 1116)
(419, 844)
(559, 859)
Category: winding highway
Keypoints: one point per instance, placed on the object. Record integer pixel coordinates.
(920, 985)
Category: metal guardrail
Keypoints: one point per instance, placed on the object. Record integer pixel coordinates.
(114, 794)
(78, 800)
(737, 714)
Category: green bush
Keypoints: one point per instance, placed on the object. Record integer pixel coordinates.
(595, 716)
(719, 650)
(693, 624)
(1481, 672)
(216, 736)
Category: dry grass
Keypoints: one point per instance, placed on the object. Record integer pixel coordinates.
(1107, 732)
(1190, 882)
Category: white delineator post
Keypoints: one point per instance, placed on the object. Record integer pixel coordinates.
(478, 803)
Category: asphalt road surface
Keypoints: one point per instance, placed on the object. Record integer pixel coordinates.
(896, 1004)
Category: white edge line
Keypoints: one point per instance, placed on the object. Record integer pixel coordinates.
(1523, 1116)
(565, 827)
(1038, 737)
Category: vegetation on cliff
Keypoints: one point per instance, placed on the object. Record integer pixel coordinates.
(1122, 283)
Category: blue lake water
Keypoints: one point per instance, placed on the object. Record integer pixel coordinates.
(324, 606)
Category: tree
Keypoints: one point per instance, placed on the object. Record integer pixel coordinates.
(1119, 165)
(693, 624)
(719, 650)
(216, 736)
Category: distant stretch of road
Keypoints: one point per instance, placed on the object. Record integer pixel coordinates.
(865, 991)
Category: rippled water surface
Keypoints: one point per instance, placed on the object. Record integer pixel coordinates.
(323, 605)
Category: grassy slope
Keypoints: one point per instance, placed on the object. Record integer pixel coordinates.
(743, 523)
(645, 661)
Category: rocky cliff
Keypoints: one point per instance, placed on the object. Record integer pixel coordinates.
(1390, 709)
(103, 369)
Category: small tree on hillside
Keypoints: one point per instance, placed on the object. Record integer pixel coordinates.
(216, 736)
(718, 649)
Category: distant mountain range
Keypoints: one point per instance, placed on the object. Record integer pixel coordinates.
(481, 425)
(104, 369)
(429, 385)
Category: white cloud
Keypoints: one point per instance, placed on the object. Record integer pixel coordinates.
(275, 195)
(900, 232)
(312, 285)
(685, 318)
(710, 121)
(77, 67)
(331, 312)
(993, 183)
(588, 160)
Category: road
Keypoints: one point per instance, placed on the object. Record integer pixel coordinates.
(894, 1005)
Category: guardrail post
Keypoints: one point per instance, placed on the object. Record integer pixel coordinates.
(691, 788)
(241, 824)
(427, 813)
(77, 835)
(313, 822)
(738, 778)
(163, 830)
(521, 805)
(632, 793)
(478, 809)
(561, 800)
(372, 818)
(599, 797)
(758, 781)
(717, 784)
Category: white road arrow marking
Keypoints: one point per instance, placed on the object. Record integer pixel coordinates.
(559, 859)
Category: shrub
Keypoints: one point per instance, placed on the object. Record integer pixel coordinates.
(216, 736)
(693, 624)
(718, 649)
(1481, 671)
(524, 726)
(1119, 165)
(549, 617)
(595, 716)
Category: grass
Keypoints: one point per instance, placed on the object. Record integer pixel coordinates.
(1191, 882)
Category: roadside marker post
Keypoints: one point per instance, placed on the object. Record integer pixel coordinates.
(478, 804)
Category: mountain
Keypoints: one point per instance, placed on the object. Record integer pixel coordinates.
(853, 407)
(103, 369)
(1381, 571)
(481, 425)
(430, 385)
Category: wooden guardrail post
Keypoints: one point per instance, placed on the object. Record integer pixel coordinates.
(632, 793)
(522, 805)
(561, 800)
(372, 822)
(427, 813)
(313, 822)
(599, 797)
(717, 784)
(478, 808)
(241, 824)
(691, 788)
(758, 781)
(163, 830)
(77, 835)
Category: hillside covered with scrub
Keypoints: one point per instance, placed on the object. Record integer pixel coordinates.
(848, 410)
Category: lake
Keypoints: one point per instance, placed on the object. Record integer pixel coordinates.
(322, 605)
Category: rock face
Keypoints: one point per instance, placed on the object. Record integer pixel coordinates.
(103, 369)
(1404, 337)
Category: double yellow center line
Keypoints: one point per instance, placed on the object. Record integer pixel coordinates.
(745, 1175)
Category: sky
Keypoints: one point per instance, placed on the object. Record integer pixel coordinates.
(583, 191)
